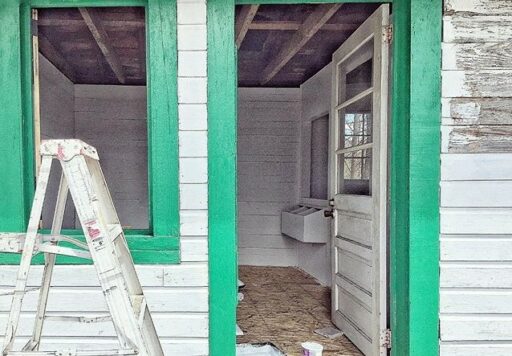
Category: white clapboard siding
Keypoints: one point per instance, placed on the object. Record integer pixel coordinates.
(468, 28)
(476, 139)
(470, 247)
(477, 111)
(167, 325)
(485, 327)
(262, 256)
(482, 83)
(476, 220)
(476, 179)
(268, 142)
(160, 299)
(474, 194)
(478, 167)
(476, 301)
(476, 275)
(171, 346)
(469, 56)
(482, 7)
(476, 348)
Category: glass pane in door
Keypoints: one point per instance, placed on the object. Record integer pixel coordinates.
(356, 123)
(355, 169)
(356, 72)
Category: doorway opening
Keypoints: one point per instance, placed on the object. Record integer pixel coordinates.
(90, 84)
(312, 179)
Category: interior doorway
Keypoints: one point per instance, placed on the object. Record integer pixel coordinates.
(312, 178)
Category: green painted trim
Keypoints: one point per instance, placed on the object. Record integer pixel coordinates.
(12, 189)
(85, 3)
(16, 142)
(399, 183)
(144, 250)
(414, 174)
(424, 176)
(163, 117)
(222, 206)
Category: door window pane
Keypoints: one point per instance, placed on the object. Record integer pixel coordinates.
(356, 73)
(356, 123)
(355, 172)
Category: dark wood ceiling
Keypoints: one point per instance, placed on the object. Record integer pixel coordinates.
(284, 45)
(279, 45)
(95, 45)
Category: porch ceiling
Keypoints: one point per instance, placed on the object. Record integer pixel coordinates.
(279, 45)
(95, 45)
(284, 45)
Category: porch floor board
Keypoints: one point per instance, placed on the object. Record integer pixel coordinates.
(284, 305)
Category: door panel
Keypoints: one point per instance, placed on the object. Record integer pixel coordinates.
(358, 183)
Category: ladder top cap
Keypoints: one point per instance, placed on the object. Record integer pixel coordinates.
(65, 150)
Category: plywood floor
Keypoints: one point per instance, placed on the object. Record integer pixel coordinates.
(284, 305)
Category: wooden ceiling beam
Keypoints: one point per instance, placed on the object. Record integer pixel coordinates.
(307, 30)
(243, 22)
(47, 22)
(295, 26)
(101, 37)
(47, 49)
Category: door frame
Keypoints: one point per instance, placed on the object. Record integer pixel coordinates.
(414, 173)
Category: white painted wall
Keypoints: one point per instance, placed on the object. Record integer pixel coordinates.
(315, 259)
(476, 179)
(113, 118)
(268, 144)
(57, 121)
(177, 294)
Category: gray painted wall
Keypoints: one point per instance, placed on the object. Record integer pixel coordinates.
(113, 119)
(315, 259)
(268, 143)
(57, 121)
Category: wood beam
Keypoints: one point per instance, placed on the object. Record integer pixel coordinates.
(243, 21)
(80, 23)
(100, 35)
(47, 49)
(307, 30)
(294, 26)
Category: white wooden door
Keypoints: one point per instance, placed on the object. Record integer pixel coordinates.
(358, 182)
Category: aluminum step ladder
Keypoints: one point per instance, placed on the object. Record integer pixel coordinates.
(105, 245)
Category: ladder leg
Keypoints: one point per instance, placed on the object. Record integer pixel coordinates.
(28, 251)
(58, 217)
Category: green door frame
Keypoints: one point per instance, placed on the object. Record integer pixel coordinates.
(414, 174)
(158, 245)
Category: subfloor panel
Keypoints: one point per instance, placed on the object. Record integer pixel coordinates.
(284, 306)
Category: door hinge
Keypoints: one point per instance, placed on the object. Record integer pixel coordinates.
(385, 338)
(388, 34)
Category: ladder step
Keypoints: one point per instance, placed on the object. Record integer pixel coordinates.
(114, 230)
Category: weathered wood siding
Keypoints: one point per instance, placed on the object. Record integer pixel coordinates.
(177, 294)
(268, 144)
(476, 173)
